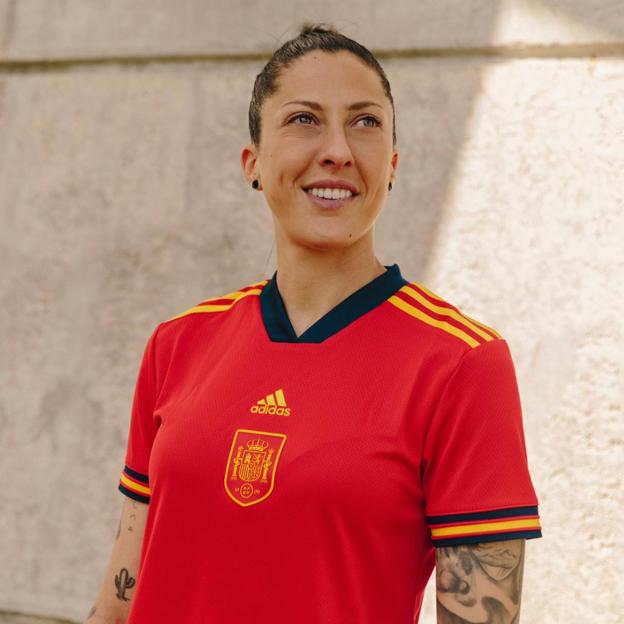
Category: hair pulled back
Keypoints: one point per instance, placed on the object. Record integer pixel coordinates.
(311, 37)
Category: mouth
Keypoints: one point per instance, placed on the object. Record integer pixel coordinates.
(327, 203)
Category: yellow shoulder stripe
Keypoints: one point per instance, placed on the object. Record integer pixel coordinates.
(434, 296)
(462, 318)
(233, 297)
(491, 329)
(237, 294)
(419, 314)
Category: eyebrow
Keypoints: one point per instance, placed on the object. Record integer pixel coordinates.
(317, 106)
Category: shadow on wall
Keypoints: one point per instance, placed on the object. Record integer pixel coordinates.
(436, 147)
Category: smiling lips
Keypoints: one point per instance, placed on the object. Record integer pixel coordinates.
(331, 193)
(330, 198)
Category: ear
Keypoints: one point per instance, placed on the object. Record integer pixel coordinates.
(249, 159)
(394, 163)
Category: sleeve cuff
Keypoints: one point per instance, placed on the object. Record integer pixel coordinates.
(485, 526)
(135, 485)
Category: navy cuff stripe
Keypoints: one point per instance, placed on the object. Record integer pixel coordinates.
(497, 537)
(484, 515)
(136, 475)
(134, 495)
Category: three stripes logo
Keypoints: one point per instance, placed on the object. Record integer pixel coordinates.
(426, 306)
(274, 403)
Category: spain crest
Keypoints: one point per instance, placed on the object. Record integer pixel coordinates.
(251, 465)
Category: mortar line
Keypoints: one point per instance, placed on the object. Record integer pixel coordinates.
(502, 53)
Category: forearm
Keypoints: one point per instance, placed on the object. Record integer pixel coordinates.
(480, 583)
(112, 605)
(114, 600)
(95, 618)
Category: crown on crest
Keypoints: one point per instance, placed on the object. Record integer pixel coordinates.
(257, 445)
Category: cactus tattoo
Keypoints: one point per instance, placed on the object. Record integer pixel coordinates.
(123, 581)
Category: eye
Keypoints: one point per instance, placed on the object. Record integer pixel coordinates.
(375, 121)
(301, 115)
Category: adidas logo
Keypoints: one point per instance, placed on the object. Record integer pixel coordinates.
(273, 403)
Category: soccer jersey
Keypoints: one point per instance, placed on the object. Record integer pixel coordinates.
(309, 478)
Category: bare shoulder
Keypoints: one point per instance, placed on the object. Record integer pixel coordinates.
(480, 582)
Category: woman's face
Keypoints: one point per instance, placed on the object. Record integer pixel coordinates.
(326, 136)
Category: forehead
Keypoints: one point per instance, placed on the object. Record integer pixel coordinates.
(320, 75)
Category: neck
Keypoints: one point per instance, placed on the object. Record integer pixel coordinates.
(311, 282)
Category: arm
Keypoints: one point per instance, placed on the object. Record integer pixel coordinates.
(479, 582)
(113, 602)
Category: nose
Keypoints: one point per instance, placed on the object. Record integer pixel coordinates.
(335, 149)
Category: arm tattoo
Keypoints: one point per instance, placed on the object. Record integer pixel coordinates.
(123, 581)
(480, 583)
(130, 527)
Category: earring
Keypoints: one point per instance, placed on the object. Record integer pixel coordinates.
(255, 184)
(389, 186)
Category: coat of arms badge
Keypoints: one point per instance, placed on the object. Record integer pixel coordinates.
(251, 465)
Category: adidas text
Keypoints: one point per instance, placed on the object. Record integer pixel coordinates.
(270, 409)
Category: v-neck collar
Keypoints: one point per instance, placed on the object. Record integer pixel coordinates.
(369, 296)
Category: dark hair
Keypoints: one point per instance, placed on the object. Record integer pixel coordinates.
(311, 37)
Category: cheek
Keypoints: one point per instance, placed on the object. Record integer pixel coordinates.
(374, 176)
(372, 161)
(286, 166)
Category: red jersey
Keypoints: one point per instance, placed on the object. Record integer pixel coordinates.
(308, 479)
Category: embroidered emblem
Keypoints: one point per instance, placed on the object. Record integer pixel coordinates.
(251, 465)
(274, 403)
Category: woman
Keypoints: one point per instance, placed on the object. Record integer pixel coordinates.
(306, 449)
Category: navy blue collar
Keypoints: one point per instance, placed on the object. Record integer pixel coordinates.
(279, 328)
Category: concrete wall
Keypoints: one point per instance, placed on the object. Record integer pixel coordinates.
(122, 203)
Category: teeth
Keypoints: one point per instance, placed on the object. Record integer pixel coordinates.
(328, 193)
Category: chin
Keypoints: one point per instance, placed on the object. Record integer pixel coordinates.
(328, 241)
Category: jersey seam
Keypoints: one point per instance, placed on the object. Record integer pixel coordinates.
(443, 391)
(437, 405)
(157, 389)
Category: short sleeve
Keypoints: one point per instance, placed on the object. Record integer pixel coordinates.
(475, 474)
(134, 481)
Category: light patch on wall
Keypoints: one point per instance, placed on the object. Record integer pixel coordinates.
(526, 22)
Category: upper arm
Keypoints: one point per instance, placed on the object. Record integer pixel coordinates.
(479, 582)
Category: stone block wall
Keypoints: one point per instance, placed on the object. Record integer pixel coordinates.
(122, 202)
